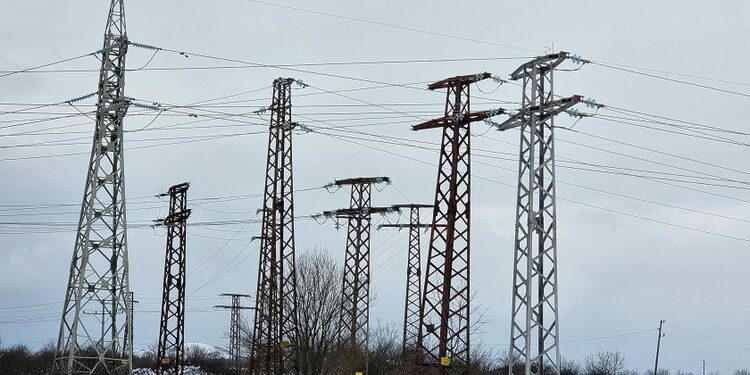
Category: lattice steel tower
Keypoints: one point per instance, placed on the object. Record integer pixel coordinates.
(534, 339)
(444, 319)
(355, 300)
(171, 350)
(235, 343)
(413, 296)
(99, 268)
(274, 349)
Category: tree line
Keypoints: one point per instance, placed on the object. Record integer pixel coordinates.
(319, 299)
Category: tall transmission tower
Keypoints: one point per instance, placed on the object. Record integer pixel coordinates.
(274, 349)
(235, 344)
(171, 348)
(535, 339)
(444, 319)
(413, 296)
(99, 268)
(355, 301)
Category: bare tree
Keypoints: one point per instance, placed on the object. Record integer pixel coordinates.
(319, 299)
(384, 355)
(604, 363)
(569, 367)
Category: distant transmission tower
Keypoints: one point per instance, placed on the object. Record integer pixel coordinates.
(444, 340)
(99, 268)
(535, 339)
(235, 343)
(274, 349)
(413, 296)
(171, 349)
(355, 301)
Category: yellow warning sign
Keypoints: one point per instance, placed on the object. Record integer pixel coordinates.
(284, 344)
(445, 361)
(359, 373)
(165, 361)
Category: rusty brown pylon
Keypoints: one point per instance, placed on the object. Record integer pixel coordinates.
(413, 295)
(274, 349)
(355, 297)
(444, 320)
(235, 344)
(171, 349)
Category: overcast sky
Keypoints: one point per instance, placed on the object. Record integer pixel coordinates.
(624, 263)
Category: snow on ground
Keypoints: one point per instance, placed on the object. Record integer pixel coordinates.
(188, 370)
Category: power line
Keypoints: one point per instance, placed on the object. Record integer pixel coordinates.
(663, 78)
(611, 65)
(405, 28)
(708, 337)
(673, 337)
(9, 73)
(561, 198)
(304, 64)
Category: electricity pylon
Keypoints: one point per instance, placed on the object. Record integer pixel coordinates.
(444, 319)
(274, 347)
(534, 338)
(171, 350)
(413, 296)
(235, 343)
(99, 268)
(355, 294)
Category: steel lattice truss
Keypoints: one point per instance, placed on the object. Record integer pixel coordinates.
(355, 298)
(99, 269)
(534, 341)
(444, 339)
(355, 301)
(171, 348)
(235, 343)
(413, 296)
(275, 330)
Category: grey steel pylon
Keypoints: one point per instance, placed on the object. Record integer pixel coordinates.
(99, 268)
(535, 337)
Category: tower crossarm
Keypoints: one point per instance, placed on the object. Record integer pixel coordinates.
(462, 80)
(361, 180)
(401, 226)
(544, 63)
(458, 119)
(542, 113)
(345, 213)
(233, 307)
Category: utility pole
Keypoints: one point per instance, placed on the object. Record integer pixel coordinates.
(274, 345)
(534, 314)
(355, 302)
(704, 367)
(658, 346)
(413, 296)
(235, 343)
(444, 318)
(99, 267)
(171, 349)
